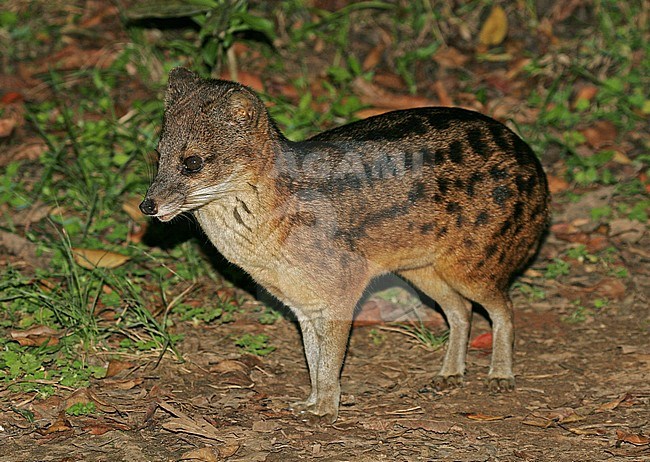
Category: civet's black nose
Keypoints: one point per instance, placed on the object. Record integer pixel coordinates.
(148, 207)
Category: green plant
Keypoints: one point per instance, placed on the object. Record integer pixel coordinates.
(556, 268)
(376, 337)
(255, 344)
(78, 409)
(269, 316)
(530, 291)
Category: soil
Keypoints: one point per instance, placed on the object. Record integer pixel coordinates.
(583, 379)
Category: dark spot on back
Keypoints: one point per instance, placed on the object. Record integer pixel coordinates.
(453, 207)
(417, 192)
(502, 257)
(505, 227)
(456, 152)
(459, 183)
(477, 143)
(435, 158)
(426, 228)
(467, 242)
(498, 173)
(457, 209)
(525, 185)
(490, 250)
(471, 183)
(518, 209)
(500, 136)
(442, 231)
(443, 185)
(500, 195)
(425, 156)
(481, 219)
(439, 121)
(524, 154)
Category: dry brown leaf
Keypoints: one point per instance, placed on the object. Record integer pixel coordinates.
(266, 426)
(632, 438)
(538, 421)
(433, 426)
(246, 78)
(450, 57)
(495, 27)
(601, 133)
(485, 417)
(198, 427)
(370, 112)
(36, 336)
(228, 450)
(115, 367)
(123, 384)
(442, 94)
(557, 184)
(586, 93)
(97, 258)
(374, 95)
(7, 127)
(61, 424)
(205, 454)
(613, 404)
(373, 57)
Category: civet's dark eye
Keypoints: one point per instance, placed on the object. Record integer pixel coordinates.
(193, 164)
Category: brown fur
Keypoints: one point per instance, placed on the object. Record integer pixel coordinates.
(449, 199)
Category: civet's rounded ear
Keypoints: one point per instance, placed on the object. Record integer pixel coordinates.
(243, 107)
(180, 81)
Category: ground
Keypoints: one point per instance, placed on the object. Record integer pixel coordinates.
(582, 348)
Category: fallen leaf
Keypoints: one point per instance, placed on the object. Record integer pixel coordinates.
(601, 133)
(450, 57)
(485, 417)
(434, 426)
(11, 97)
(206, 454)
(182, 423)
(96, 258)
(482, 342)
(36, 336)
(636, 439)
(626, 230)
(7, 127)
(228, 450)
(442, 94)
(123, 384)
(609, 287)
(373, 57)
(115, 367)
(61, 424)
(613, 404)
(585, 93)
(495, 27)
(248, 79)
(557, 184)
(266, 426)
(373, 95)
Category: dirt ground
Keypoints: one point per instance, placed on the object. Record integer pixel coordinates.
(583, 380)
(582, 394)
